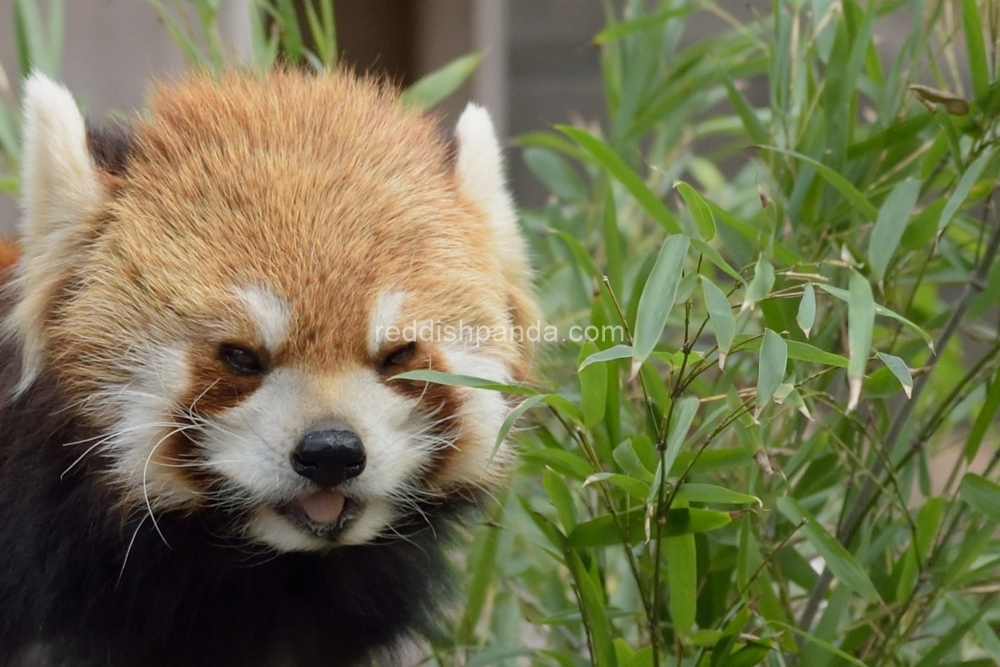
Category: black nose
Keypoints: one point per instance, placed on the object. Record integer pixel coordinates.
(329, 455)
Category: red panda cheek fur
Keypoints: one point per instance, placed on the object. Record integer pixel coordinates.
(269, 214)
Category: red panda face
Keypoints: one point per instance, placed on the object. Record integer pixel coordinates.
(228, 299)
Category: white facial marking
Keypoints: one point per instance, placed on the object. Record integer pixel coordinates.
(60, 186)
(250, 445)
(144, 414)
(388, 308)
(270, 313)
(481, 416)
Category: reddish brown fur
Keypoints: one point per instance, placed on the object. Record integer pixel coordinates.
(203, 205)
(9, 253)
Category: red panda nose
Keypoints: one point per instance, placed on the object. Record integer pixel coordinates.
(329, 455)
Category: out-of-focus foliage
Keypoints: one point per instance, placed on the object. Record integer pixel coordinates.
(779, 444)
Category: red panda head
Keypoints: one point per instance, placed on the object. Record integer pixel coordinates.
(226, 294)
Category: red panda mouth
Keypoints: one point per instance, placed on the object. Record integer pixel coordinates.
(322, 512)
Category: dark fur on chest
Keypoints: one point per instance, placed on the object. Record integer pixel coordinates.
(193, 597)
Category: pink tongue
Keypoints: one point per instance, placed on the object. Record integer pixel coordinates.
(323, 506)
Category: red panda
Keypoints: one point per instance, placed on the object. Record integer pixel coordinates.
(204, 457)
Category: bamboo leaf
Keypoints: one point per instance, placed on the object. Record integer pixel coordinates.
(843, 565)
(806, 315)
(898, 368)
(839, 183)
(720, 312)
(892, 221)
(658, 295)
(624, 175)
(439, 84)
(963, 188)
(593, 387)
(684, 412)
(610, 354)
(592, 605)
(860, 325)
(984, 419)
(771, 369)
(975, 49)
(682, 578)
(716, 495)
(699, 209)
(981, 494)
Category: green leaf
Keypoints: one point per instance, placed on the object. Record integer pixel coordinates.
(658, 295)
(843, 565)
(602, 531)
(964, 186)
(561, 499)
(699, 209)
(453, 380)
(624, 175)
(512, 418)
(644, 22)
(796, 350)
(844, 295)
(625, 456)
(716, 495)
(898, 368)
(825, 645)
(439, 84)
(979, 70)
(860, 325)
(806, 315)
(610, 354)
(555, 173)
(593, 387)
(632, 486)
(984, 419)
(482, 570)
(760, 286)
(684, 411)
(592, 605)
(841, 184)
(981, 494)
(720, 312)
(892, 221)
(771, 370)
(682, 578)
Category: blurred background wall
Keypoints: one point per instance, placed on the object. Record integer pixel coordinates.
(539, 65)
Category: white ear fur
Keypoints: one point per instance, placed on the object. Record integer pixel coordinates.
(59, 185)
(480, 172)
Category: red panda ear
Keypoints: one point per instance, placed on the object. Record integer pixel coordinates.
(60, 186)
(480, 172)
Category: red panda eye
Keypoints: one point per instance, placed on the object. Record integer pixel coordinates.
(396, 357)
(241, 360)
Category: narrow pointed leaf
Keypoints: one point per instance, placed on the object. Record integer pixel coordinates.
(900, 370)
(684, 412)
(593, 388)
(806, 315)
(860, 324)
(610, 354)
(760, 286)
(682, 578)
(720, 312)
(624, 175)
(771, 370)
(658, 295)
(982, 494)
(963, 188)
(840, 561)
(891, 223)
(703, 217)
(441, 83)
